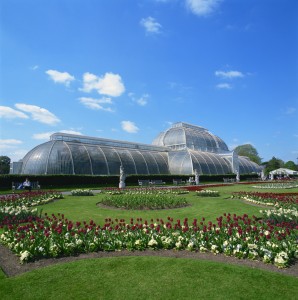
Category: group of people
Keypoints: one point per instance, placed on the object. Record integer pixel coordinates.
(25, 185)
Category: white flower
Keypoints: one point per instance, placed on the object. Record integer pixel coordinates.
(25, 255)
(214, 249)
(190, 245)
(152, 242)
(252, 246)
(178, 244)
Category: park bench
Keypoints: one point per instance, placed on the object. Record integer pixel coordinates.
(143, 182)
(178, 181)
(34, 185)
(157, 182)
(226, 180)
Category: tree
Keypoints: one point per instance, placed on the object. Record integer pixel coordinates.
(249, 151)
(290, 165)
(273, 164)
(4, 164)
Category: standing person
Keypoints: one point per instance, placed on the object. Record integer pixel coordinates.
(27, 185)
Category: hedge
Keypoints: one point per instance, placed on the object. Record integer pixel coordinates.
(55, 181)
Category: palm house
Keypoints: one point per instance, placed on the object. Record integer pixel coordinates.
(181, 149)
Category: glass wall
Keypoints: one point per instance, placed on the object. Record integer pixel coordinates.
(246, 166)
(188, 148)
(61, 157)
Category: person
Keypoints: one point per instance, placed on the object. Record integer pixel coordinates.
(27, 185)
(191, 181)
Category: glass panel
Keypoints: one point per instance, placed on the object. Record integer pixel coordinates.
(113, 160)
(161, 160)
(140, 162)
(99, 165)
(80, 158)
(35, 162)
(127, 162)
(176, 160)
(151, 163)
(60, 161)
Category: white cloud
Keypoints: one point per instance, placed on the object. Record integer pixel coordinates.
(46, 135)
(71, 132)
(9, 143)
(38, 114)
(151, 25)
(290, 110)
(226, 86)
(109, 84)
(233, 146)
(129, 126)
(142, 101)
(10, 113)
(33, 68)
(14, 155)
(96, 104)
(229, 74)
(42, 136)
(60, 77)
(202, 7)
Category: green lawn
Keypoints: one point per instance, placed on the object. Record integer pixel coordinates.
(150, 277)
(81, 208)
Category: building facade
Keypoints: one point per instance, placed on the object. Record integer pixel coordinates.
(181, 149)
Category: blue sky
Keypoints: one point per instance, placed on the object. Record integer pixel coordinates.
(129, 69)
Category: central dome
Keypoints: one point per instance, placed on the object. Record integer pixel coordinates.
(183, 136)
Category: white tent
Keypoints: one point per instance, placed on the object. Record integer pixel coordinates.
(283, 171)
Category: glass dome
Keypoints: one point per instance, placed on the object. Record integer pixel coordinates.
(182, 149)
(185, 136)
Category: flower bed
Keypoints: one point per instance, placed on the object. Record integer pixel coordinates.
(82, 192)
(145, 199)
(146, 191)
(238, 236)
(207, 193)
(285, 209)
(16, 208)
(277, 185)
(269, 199)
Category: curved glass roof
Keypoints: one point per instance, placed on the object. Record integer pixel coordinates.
(180, 150)
(246, 166)
(186, 161)
(185, 136)
(65, 157)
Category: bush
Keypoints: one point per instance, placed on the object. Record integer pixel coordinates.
(208, 193)
(81, 192)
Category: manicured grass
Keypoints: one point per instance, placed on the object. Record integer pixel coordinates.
(81, 208)
(148, 278)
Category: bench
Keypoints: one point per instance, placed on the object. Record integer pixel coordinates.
(144, 182)
(19, 185)
(229, 180)
(178, 181)
(157, 182)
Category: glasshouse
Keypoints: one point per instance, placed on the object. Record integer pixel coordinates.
(182, 149)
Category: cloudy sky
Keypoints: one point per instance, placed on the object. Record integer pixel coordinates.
(129, 69)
